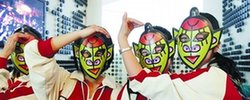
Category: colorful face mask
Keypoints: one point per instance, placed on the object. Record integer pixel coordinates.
(195, 38)
(92, 55)
(17, 58)
(154, 51)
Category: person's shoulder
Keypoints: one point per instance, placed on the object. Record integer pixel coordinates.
(110, 82)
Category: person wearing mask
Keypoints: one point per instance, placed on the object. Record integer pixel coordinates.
(93, 52)
(17, 85)
(197, 42)
(154, 50)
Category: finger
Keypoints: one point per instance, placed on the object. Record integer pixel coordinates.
(23, 40)
(20, 35)
(105, 32)
(124, 18)
(136, 23)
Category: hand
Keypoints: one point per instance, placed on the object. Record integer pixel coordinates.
(26, 38)
(10, 45)
(93, 29)
(128, 24)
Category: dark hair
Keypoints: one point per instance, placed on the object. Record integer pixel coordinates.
(109, 44)
(224, 63)
(107, 41)
(164, 32)
(212, 19)
(227, 65)
(30, 30)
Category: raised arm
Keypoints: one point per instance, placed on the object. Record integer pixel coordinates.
(46, 77)
(129, 59)
(10, 45)
(60, 41)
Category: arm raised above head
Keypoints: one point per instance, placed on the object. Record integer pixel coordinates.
(46, 77)
(62, 40)
(129, 59)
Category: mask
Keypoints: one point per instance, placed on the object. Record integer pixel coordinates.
(93, 55)
(195, 38)
(17, 58)
(153, 49)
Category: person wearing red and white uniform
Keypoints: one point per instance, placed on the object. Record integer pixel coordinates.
(17, 85)
(158, 40)
(197, 42)
(93, 52)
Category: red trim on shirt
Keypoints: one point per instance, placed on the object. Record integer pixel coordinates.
(99, 93)
(143, 74)
(189, 76)
(231, 91)
(119, 97)
(18, 89)
(3, 96)
(140, 97)
(45, 48)
(106, 94)
(77, 92)
(3, 62)
(10, 82)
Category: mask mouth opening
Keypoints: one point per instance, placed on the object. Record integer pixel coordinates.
(94, 70)
(192, 59)
(155, 69)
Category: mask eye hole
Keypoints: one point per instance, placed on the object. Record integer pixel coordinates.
(99, 52)
(86, 54)
(157, 60)
(159, 48)
(148, 61)
(144, 52)
(184, 38)
(200, 37)
(18, 50)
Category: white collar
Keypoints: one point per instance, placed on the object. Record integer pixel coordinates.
(24, 78)
(107, 81)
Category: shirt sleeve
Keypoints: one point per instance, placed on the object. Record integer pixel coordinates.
(231, 91)
(4, 75)
(3, 63)
(45, 48)
(46, 77)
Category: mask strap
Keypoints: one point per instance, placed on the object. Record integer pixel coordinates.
(22, 29)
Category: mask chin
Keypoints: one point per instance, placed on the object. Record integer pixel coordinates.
(20, 66)
(91, 76)
(23, 69)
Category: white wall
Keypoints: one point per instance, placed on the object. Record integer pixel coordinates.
(165, 13)
(94, 12)
(213, 7)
